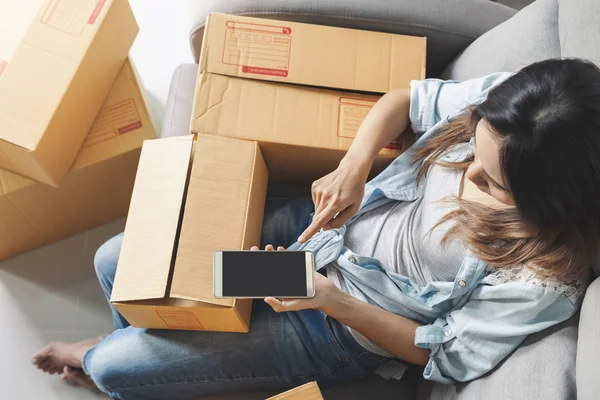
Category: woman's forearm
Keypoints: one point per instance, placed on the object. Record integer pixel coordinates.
(385, 122)
(393, 333)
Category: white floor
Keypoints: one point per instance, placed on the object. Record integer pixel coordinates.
(46, 295)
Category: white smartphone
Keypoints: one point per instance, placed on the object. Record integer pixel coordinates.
(260, 274)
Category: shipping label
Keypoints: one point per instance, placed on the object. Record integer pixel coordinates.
(351, 113)
(114, 120)
(258, 49)
(179, 319)
(72, 16)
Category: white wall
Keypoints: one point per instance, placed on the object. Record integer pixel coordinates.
(161, 45)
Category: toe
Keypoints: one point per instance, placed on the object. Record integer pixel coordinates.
(44, 365)
(38, 359)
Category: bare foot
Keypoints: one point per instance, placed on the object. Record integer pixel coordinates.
(58, 355)
(78, 377)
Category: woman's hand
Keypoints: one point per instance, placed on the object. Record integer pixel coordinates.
(338, 195)
(326, 293)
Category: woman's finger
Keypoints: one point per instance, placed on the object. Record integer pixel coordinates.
(269, 247)
(254, 248)
(318, 222)
(275, 304)
(344, 216)
(280, 248)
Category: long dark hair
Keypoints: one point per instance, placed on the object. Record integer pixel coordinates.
(547, 119)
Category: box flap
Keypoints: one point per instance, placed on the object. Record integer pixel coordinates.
(315, 55)
(224, 173)
(152, 224)
(309, 391)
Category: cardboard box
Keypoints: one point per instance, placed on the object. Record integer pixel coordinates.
(57, 65)
(305, 131)
(191, 197)
(309, 391)
(96, 191)
(296, 123)
(308, 54)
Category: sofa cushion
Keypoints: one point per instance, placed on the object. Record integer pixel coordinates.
(530, 36)
(588, 364)
(579, 29)
(178, 112)
(450, 26)
(543, 367)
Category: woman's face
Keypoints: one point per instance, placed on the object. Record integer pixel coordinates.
(485, 170)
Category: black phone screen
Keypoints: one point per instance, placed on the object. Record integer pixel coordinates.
(264, 273)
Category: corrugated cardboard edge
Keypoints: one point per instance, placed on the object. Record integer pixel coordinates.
(309, 391)
(424, 69)
(205, 45)
(256, 201)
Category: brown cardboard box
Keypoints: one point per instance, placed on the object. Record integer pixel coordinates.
(191, 197)
(308, 54)
(305, 131)
(310, 128)
(57, 65)
(96, 191)
(309, 391)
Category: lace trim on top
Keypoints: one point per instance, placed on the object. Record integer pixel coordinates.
(573, 289)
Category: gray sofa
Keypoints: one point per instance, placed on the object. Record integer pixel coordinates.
(466, 38)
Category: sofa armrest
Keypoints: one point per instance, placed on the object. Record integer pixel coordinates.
(450, 26)
(178, 112)
(588, 345)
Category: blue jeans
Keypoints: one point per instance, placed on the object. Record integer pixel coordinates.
(280, 351)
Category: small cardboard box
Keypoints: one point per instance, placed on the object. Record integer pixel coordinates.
(305, 131)
(191, 197)
(243, 89)
(309, 391)
(96, 191)
(308, 54)
(57, 65)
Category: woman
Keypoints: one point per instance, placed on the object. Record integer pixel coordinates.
(481, 234)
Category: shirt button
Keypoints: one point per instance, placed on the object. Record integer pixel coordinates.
(462, 283)
(352, 259)
(448, 332)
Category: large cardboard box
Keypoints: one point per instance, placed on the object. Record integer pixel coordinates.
(58, 61)
(296, 123)
(96, 191)
(309, 391)
(191, 197)
(306, 54)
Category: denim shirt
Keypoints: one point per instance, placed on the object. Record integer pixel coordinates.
(474, 322)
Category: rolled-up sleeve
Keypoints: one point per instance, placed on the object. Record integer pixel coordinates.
(433, 100)
(472, 340)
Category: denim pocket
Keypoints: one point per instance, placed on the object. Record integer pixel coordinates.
(335, 343)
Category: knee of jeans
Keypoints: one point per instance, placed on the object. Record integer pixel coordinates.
(107, 256)
(110, 364)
